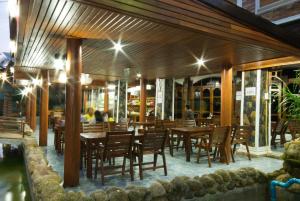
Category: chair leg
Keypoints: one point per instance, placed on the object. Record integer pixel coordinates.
(140, 166)
(96, 166)
(123, 166)
(248, 152)
(198, 155)
(226, 155)
(178, 142)
(208, 157)
(171, 145)
(102, 170)
(131, 168)
(154, 161)
(164, 163)
(232, 156)
(216, 153)
(234, 148)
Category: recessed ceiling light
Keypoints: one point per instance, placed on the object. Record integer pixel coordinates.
(36, 82)
(118, 46)
(200, 62)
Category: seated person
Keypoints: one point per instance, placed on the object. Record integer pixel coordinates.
(89, 116)
(189, 114)
(98, 116)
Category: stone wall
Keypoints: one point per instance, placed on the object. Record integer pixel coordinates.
(46, 184)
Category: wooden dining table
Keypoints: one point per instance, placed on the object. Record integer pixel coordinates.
(90, 140)
(188, 133)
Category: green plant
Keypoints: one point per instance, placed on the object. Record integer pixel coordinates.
(291, 101)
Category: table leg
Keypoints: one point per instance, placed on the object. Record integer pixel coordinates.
(188, 145)
(171, 143)
(89, 160)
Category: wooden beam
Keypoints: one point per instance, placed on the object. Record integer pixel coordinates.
(277, 62)
(33, 109)
(28, 108)
(143, 98)
(73, 108)
(226, 97)
(44, 102)
(106, 99)
(226, 108)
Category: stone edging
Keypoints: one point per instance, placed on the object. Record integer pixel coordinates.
(46, 184)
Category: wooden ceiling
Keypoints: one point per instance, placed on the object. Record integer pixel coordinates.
(161, 38)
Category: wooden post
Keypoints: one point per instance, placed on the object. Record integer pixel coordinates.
(73, 108)
(44, 108)
(106, 98)
(28, 105)
(226, 107)
(143, 97)
(226, 97)
(33, 109)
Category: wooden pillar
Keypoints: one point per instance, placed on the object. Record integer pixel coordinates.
(226, 97)
(33, 109)
(143, 97)
(106, 98)
(226, 108)
(44, 102)
(28, 104)
(73, 108)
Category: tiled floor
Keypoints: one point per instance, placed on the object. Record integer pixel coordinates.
(177, 166)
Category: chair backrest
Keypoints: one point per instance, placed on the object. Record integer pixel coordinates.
(281, 125)
(294, 126)
(203, 122)
(150, 118)
(154, 140)
(219, 135)
(243, 132)
(121, 126)
(188, 123)
(118, 143)
(167, 124)
(94, 128)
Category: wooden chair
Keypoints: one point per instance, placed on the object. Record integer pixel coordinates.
(177, 137)
(94, 128)
(280, 130)
(59, 138)
(121, 126)
(241, 135)
(203, 122)
(91, 128)
(217, 138)
(294, 128)
(152, 142)
(117, 144)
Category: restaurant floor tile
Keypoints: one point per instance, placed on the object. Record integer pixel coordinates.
(177, 166)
